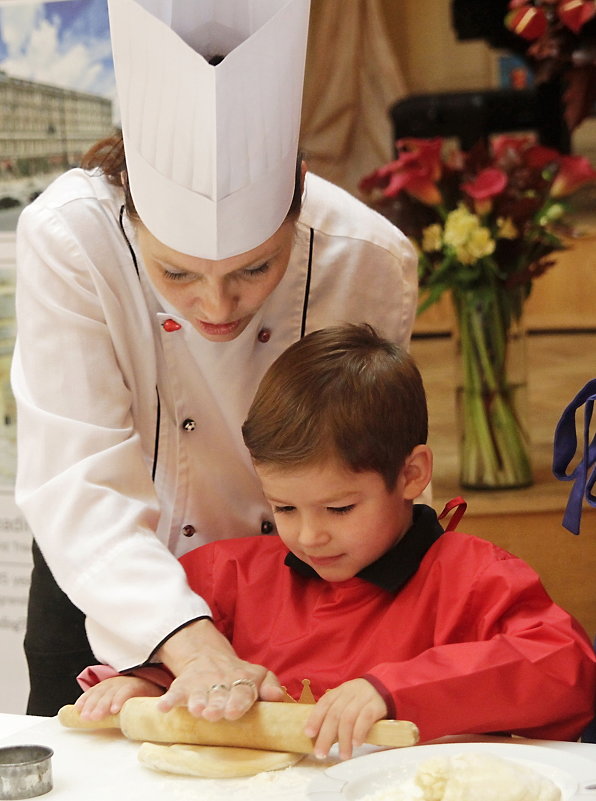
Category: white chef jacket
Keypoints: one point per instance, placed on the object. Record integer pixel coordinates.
(129, 432)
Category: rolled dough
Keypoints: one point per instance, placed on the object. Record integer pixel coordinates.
(213, 762)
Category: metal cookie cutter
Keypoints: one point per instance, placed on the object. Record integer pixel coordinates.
(25, 771)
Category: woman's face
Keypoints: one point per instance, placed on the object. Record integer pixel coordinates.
(219, 298)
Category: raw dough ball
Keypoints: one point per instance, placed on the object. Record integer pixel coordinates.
(213, 762)
(482, 777)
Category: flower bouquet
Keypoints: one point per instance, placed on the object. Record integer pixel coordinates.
(486, 224)
(561, 36)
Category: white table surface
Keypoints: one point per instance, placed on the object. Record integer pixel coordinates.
(103, 766)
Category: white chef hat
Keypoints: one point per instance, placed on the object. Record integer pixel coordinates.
(210, 150)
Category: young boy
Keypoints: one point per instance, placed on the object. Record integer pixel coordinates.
(362, 591)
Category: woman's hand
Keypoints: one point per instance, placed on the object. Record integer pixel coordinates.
(345, 715)
(210, 679)
(108, 696)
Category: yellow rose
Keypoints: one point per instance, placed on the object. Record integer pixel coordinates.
(432, 238)
(469, 239)
(480, 244)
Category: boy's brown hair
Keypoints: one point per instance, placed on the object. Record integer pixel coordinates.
(341, 392)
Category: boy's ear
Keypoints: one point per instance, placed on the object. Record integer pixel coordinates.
(417, 471)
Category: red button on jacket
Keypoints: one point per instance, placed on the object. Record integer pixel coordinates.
(171, 325)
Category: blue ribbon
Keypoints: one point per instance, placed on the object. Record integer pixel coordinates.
(565, 446)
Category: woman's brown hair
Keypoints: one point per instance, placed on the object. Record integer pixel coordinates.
(342, 392)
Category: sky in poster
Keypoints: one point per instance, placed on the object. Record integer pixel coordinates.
(65, 43)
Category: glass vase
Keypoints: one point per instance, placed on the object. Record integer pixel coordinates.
(491, 387)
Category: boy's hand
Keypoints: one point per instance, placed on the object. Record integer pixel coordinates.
(108, 697)
(344, 715)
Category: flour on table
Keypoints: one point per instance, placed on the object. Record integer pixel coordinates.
(288, 784)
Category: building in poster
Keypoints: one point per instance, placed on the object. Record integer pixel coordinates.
(45, 127)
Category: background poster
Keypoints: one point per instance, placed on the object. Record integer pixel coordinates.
(57, 93)
(57, 96)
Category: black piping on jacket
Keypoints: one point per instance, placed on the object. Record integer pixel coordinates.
(158, 410)
(307, 285)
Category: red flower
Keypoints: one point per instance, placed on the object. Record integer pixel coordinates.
(416, 171)
(505, 146)
(522, 151)
(539, 156)
(485, 186)
(488, 183)
(527, 21)
(417, 184)
(574, 172)
(560, 36)
(425, 151)
(575, 13)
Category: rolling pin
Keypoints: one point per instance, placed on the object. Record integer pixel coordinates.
(267, 725)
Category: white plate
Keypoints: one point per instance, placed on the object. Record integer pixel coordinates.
(354, 779)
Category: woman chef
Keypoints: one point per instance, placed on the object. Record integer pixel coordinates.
(148, 310)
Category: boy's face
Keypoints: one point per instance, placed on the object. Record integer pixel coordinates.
(335, 520)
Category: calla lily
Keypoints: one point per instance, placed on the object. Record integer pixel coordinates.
(575, 13)
(574, 172)
(417, 183)
(527, 21)
(489, 183)
(427, 152)
(416, 171)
